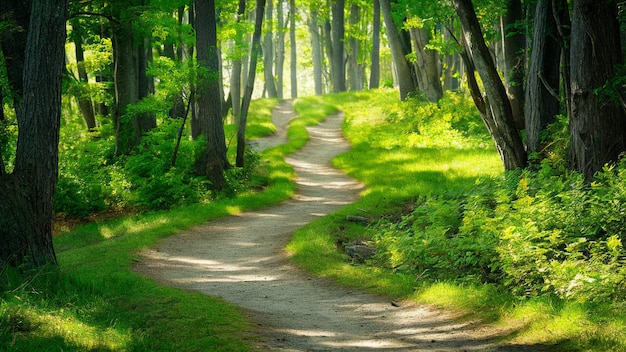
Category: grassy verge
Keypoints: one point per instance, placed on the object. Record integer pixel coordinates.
(96, 303)
(401, 161)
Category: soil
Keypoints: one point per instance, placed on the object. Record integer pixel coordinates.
(242, 259)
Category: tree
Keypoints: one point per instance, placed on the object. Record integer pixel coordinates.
(542, 102)
(268, 52)
(292, 43)
(498, 115)
(84, 102)
(404, 74)
(28, 191)
(208, 120)
(338, 67)
(316, 48)
(514, 58)
(247, 97)
(375, 58)
(597, 125)
(427, 64)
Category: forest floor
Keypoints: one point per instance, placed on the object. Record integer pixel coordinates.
(242, 259)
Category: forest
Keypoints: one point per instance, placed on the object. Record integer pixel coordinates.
(118, 115)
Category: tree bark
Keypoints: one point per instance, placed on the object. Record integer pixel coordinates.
(427, 65)
(316, 51)
(247, 97)
(292, 43)
(514, 59)
(597, 125)
(279, 61)
(268, 53)
(338, 72)
(405, 76)
(84, 103)
(235, 78)
(26, 204)
(355, 80)
(542, 102)
(212, 160)
(505, 135)
(375, 57)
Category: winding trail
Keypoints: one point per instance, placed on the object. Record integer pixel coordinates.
(241, 259)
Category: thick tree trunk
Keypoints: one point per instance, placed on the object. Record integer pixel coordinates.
(542, 102)
(505, 135)
(126, 86)
(405, 76)
(375, 57)
(316, 51)
(355, 80)
(338, 72)
(427, 65)
(597, 125)
(292, 42)
(212, 161)
(268, 52)
(26, 204)
(247, 97)
(514, 59)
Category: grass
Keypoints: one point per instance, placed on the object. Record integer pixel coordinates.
(97, 303)
(399, 160)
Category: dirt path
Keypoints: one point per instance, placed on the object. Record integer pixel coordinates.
(241, 259)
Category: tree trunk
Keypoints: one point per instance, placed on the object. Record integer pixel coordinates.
(144, 122)
(338, 72)
(26, 204)
(355, 81)
(212, 160)
(293, 58)
(506, 136)
(405, 77)
(126, 86)
(375, 57)
(247, 97)
(279, 61)
(235, 78)
(427, 65)
(84, 102)
(542, 100)
(316, 52)
(514, 59)
(597, 125)
(268, 53)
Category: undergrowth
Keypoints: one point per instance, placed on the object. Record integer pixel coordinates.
(538, 253)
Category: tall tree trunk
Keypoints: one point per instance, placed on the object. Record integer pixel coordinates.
(268, 52)
(405, 76)
(84, 102)
(235, 78)
(212, 160)
(597, 125)
(144, 122)
(316, 51)
(355, 81)
(126, 78)
(515, 59)
(505, 135)
(292, 43)
(279, 61)
(542, 102)
(338, 72)
(427, 65)
(375, 57)
(247, 97)
(27, 193)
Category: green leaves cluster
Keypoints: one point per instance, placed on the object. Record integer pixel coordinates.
(533, 233)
